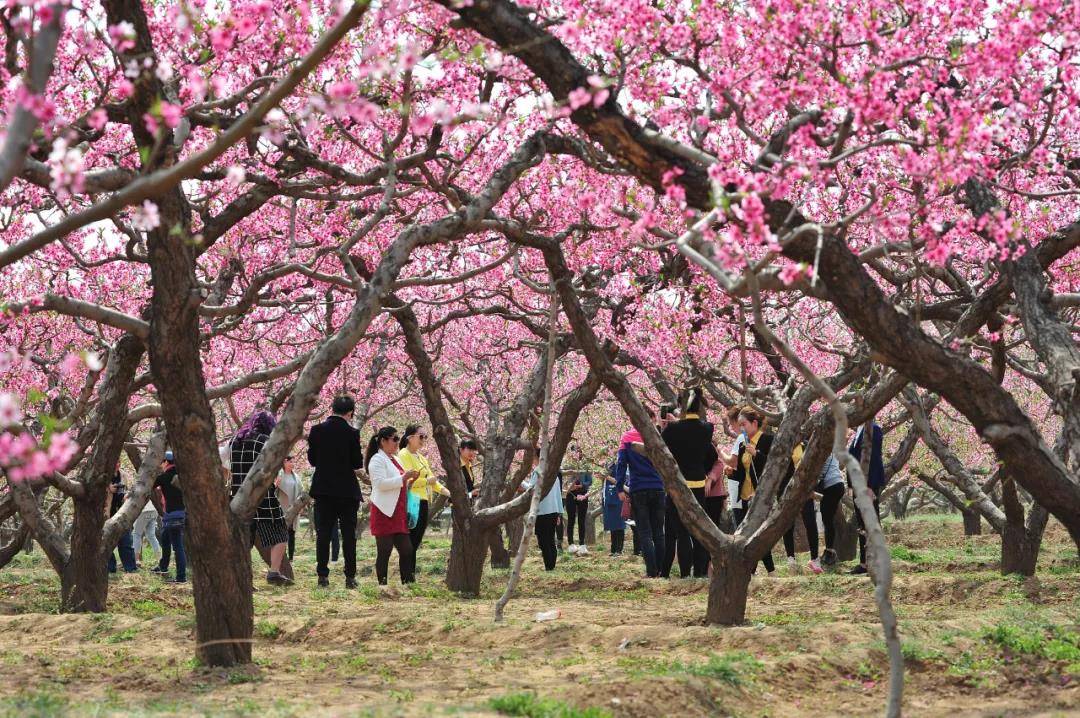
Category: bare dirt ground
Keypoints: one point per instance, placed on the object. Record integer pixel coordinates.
(976, 644)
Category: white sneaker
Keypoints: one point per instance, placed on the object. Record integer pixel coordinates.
(793, 566)
(573, 549)
(583, 550)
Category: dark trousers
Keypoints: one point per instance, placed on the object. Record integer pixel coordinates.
(335, 543)
(416, 533)
(862, 527)
(558, 535)
(292, 543)
(739, 515)
(810, 522)
(648, 509)
(576, 510)
(693, 557)
(127, 554)
(830, 501)
(383, 546)
(545, 538)
(166, 549)
(172, 540)
(637, 541)
(331, 510)
(618, 538)
(714, 507)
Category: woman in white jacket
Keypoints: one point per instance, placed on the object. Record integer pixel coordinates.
(389, 522)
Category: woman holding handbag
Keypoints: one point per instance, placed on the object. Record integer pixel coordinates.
(390, 485)
(424, 488)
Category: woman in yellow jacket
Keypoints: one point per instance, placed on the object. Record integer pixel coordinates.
(426, 485)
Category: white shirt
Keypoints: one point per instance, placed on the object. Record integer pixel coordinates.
(386, 483)
(733, 486)
(289, 489)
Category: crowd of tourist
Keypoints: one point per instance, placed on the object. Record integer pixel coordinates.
(721, 477)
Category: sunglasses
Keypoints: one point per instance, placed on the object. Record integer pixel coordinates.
(394, 439)
(422, 436)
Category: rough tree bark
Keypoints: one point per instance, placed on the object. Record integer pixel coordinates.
(972, 522)
(80, 561)
(219, 554)
(84, 583)
(15, 544)
(1020, 539)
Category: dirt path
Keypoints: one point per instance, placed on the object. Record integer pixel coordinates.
(976, 643)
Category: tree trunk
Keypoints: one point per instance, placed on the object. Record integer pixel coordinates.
(514, 529)
(729, 584)
(972, 522)
(500, 557)
(590, 529)
(1020, 539)
(1020, 543)
(84, 582)
(802, 541)
(218, 551)
(468, 549)
(847, 534)
(899, 506)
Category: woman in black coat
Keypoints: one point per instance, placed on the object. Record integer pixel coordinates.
(690, 441)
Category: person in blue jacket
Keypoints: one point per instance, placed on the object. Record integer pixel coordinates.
(875, 480)
(637, 480)
(614, 523)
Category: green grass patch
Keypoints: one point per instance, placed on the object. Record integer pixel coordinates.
(268, 630)
(127, 634)
(917, 652)
(1052, 642)
(34, 704)
(735, 668)
(530, 705)
(101, 625)
(903, 553)
(975, 671)
(239, 677)
(148, 608)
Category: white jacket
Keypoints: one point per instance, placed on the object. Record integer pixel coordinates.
(386, 483)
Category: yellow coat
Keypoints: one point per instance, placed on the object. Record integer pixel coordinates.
(426, 483)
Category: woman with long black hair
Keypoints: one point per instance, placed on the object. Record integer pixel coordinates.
(268, 530)
(390, 484)
(749, 465)
(831, 488)
(425, 487)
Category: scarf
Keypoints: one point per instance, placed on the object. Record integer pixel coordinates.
(746, 491)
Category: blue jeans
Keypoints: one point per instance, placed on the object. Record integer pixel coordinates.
(172, 539)
(127, 554)
(648, 509)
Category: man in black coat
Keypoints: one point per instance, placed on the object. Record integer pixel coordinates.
(335, 452)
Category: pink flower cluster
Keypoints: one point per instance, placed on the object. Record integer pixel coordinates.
(22, 458)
